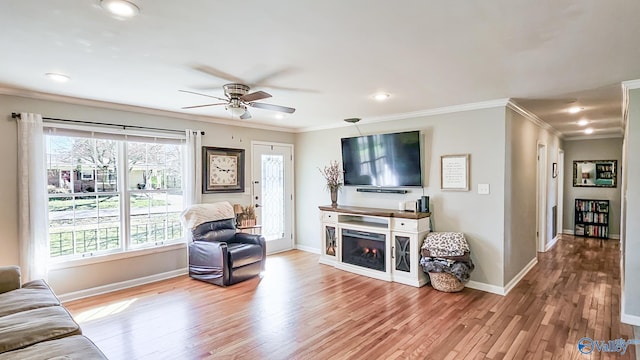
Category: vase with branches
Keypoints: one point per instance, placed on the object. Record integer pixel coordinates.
(333, 176)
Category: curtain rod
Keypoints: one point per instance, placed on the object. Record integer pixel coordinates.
(124, 127)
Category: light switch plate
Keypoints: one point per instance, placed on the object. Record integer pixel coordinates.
(483, 189)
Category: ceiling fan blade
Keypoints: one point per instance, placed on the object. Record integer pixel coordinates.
(246, 115)
(211, 96)
(218, 73)
(265, 78)
(283, 109)
(276, 87)
(199, 106)
(258, 95)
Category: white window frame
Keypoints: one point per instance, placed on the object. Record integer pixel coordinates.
(125, 136)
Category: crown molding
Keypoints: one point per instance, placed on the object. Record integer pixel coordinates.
(626, 87)
(594, 137)
(631, 84)
(513, 105)
(4, 90)
(415, 114)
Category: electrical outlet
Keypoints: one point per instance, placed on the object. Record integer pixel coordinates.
(483, 189)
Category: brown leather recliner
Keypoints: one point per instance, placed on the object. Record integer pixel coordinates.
(220, 255)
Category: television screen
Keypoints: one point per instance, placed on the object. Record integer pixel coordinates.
(385, 160)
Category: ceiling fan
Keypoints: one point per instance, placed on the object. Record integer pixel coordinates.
(238, 98)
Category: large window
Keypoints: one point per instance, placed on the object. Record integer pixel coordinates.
(112, 193)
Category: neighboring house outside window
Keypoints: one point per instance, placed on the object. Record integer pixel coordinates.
(110, 193)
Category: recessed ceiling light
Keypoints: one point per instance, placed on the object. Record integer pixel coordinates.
(122, 8)
(588, 131)
(381, 96)
(583, 122)
(58, 77)
(279, 116)
(574, 109)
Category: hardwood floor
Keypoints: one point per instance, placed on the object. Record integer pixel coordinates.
(300, 309)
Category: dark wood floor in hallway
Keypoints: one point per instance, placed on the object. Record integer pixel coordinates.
(300, 309)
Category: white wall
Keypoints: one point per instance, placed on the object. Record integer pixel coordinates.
(479, 133)
(78, 278)
(597, 149)
(631, 237)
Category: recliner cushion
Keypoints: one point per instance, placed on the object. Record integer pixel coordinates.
(221, 230)
(243, 254)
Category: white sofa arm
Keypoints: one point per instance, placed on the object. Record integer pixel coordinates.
(9, 278)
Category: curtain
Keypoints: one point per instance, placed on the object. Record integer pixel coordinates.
(193, 168)
(32, 198)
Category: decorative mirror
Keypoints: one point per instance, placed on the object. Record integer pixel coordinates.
(595, 173)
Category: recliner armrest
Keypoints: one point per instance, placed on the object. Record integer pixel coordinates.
(9, 278)
(256, 239)
(246, 238)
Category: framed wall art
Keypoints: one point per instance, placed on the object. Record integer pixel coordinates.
(222, 170)
(454, 172)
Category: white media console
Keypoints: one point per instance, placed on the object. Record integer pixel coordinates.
(379, 243)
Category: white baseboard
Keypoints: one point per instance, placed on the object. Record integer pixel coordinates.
(121, 285)
(308, 249)
(567, 231)
(485, 287)
(503, 290)
(630, 319)
(551, 243)
(624, 317)
(520, 275)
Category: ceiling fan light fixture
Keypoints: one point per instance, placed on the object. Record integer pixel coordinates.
(236, 110)
(120, 8)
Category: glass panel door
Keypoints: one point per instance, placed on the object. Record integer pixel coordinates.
(272, 189)
(272, 194)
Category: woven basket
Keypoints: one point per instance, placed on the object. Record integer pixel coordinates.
(445, 282)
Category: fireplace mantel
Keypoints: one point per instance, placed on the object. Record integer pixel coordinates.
(375, 212)
(403, 231)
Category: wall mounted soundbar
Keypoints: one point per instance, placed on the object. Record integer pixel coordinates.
(385, 191)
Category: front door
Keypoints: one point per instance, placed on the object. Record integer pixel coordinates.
(272, 193)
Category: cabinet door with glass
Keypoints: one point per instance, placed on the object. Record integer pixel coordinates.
(329, 245)
(405, 263)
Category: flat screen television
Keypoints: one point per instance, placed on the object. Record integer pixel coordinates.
(383, 160)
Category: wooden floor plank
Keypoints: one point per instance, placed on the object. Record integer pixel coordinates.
(300, 309)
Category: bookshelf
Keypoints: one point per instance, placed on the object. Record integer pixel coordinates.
(591, 218)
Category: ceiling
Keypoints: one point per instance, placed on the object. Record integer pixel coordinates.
(327, 58)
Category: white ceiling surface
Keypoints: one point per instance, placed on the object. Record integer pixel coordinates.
(327, 58)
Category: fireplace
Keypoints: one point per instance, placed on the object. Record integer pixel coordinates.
(365, 249)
